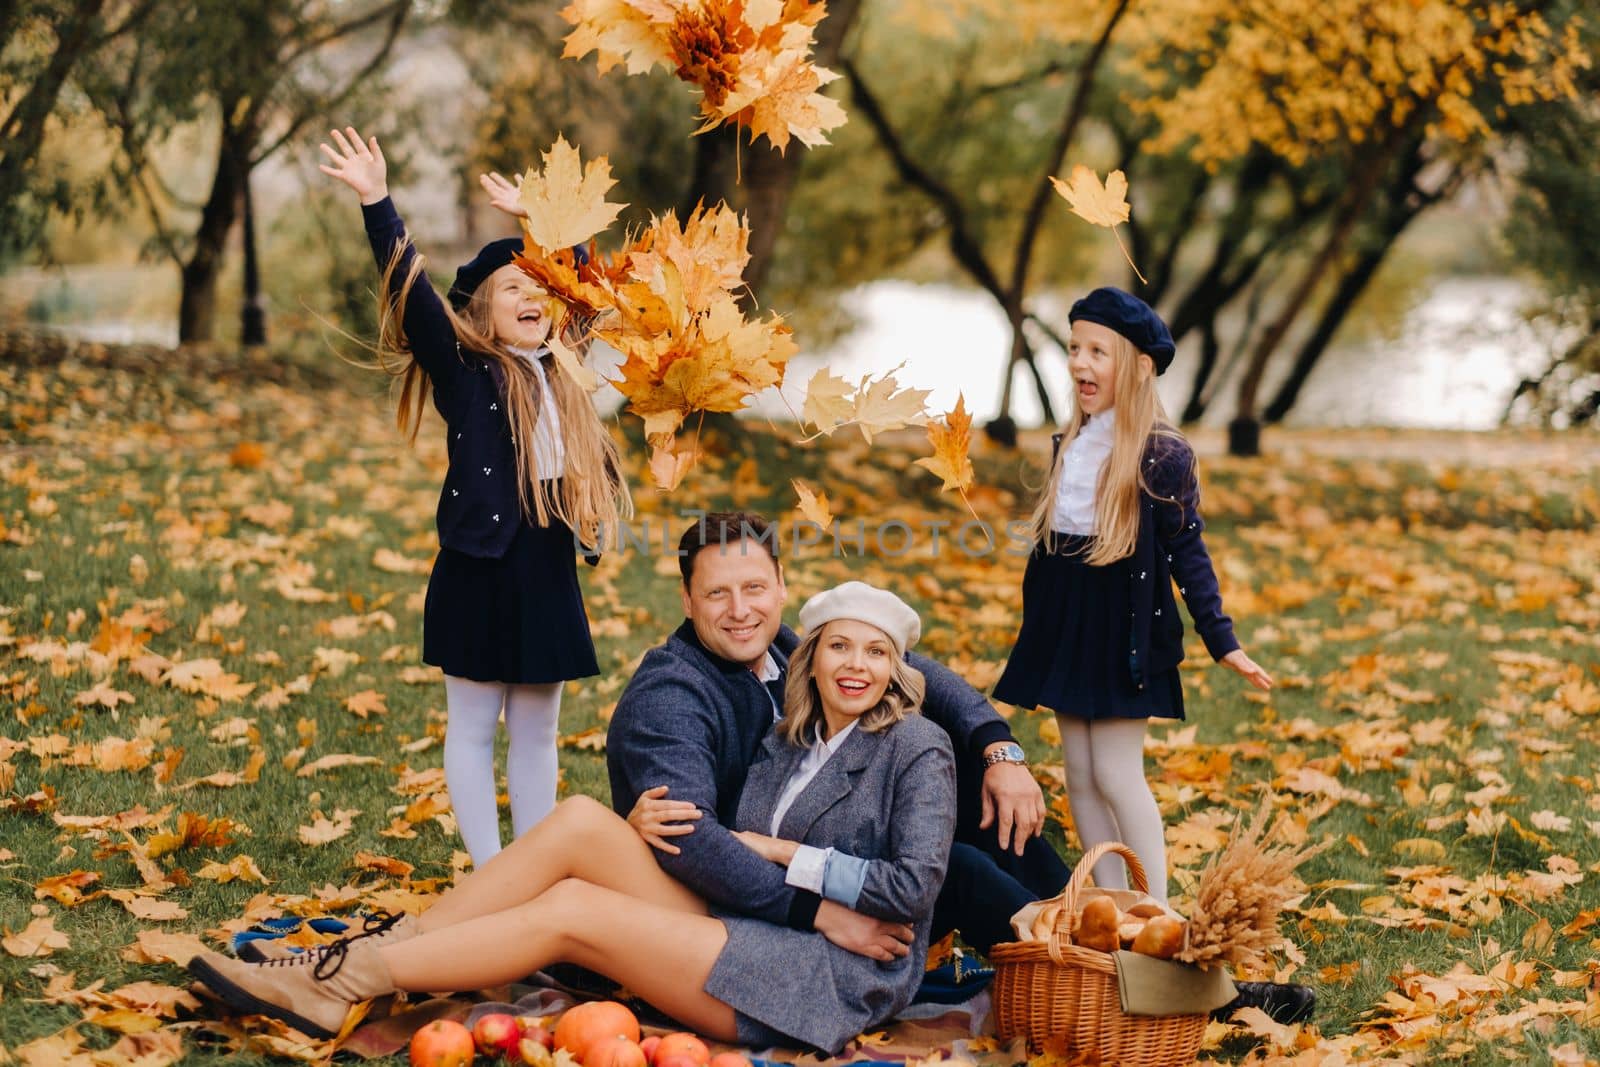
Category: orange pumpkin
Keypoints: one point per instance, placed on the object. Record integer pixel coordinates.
(729, 1059)
(614, 1052)
(685, 1045)
(586, 1024)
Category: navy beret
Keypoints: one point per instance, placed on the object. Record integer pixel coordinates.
(1132, 318)
(490, 258)
(473, 273)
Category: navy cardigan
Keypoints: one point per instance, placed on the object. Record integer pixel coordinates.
(1170, 548)
(694, 722)
(478, 511)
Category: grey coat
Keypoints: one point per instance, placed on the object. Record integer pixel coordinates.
(888, 798)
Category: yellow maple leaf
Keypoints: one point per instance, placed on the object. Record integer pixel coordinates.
(367, 702)
(951, 440)
(620, 32)
(565, 203)
(571, 365)
(1102, 205)
(39, 938)
(65, 889)
(669, 463)
(241, 868)
(323, 829)
(884, 405)
(813, 506)
(148, 908)
(829, 401)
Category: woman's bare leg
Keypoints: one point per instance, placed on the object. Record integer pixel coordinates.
(581, 838)
(654, 950)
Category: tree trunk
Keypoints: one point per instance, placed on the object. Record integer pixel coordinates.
(197, 307)
(22, 132)
(1210, 348)
(1351, 286)
(1244, 430)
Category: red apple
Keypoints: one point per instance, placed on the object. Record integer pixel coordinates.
(442, 1043)
(648, 1047)
(496, 1034)
(533, 1028)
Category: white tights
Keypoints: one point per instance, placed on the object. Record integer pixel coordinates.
(1110, 798)
(531, 712)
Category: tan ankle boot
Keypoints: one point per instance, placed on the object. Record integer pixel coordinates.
(379, 928)
(313, 994)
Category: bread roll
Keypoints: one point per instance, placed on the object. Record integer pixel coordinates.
(1045, 921)
(1097, 925)
(1161, 937)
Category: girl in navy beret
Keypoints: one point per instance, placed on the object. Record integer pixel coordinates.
(1118, 522)
(533, 474)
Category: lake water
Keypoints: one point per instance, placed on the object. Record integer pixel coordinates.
(1454, 363)
(1451, 363)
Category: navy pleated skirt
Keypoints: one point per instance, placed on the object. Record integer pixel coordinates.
(1071, 655)
(518, 619)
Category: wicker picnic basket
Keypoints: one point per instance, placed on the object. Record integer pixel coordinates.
(1047, 988)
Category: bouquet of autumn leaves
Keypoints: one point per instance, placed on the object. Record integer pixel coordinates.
(664, 300)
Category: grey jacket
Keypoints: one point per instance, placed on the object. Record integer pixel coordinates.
(888, 798)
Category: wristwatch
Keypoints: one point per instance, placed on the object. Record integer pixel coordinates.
(1010, 752)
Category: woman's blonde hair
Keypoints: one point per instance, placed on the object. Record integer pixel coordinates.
(1139, 417)
(593, 495)
(802, 704)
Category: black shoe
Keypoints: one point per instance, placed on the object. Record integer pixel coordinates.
(1286, 1003)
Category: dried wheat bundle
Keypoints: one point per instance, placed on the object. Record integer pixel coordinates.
(1242, 891)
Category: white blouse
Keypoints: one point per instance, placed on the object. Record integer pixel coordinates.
(1075, 511)
(549, 453)
(809, 867)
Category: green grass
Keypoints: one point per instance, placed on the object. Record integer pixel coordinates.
(1433, 622)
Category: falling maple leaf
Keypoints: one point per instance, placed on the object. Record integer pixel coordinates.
(872, 406)
(565, 204)
(813, 506)
(750, 59)
(951, 439)
(1101, 205)
(572, 366)
(669, 463)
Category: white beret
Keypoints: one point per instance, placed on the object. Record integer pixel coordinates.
(868, 604)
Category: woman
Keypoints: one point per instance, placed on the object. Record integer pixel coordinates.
(855, 796)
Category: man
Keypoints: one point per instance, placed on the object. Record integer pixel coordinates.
(693, 717)
(692, 720)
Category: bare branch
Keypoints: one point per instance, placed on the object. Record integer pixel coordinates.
(964, 244)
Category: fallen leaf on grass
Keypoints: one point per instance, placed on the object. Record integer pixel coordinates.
(241, 868)
(160, 946)
(323, 829)
(330, 762)
(39, 938)
(148, 908)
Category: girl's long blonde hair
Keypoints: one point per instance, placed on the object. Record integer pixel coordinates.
(1139, 417)
(593, 495)
(802, 704)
